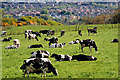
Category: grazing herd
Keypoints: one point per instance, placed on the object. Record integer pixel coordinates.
(38, 62)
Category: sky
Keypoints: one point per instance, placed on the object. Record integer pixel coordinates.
(63, 0)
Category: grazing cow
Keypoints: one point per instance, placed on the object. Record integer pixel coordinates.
(57, 45)
(79, 32)
(88, 43)
(42, 51)
(47, 39)
(16, 42)
(37, 33)
(36, 46)
(4, 33)
(6, 39)
(53, 40)
(61, 57)
(11, 47)
(50, 32)
(39, 54)
(38, 65)
(82, 57)
(75, 42)
(44, 31)
(62, 33)
(94, 30)
(115, 40)
(28, 31)
(32, 36)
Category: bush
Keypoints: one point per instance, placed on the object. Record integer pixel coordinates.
(4, 24)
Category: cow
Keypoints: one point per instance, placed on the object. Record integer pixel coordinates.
(50, 32)
(32, 36)
(16, 42)
(94, 30)
(58, 45)
(75, 42)
(61, 57)
(4, 33)
(115, 40)
(37, 33)
(47, 39)
(38, 65)
(53, 40)
(88, 43)
(28, 31)
(82, 57)
(62, 33)
(42, 51)
(12, 47)
(7, 39)
(39, 54)
(44, 31)
(79, 32)
(36, 46)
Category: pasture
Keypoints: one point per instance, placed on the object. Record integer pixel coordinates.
(106, 65)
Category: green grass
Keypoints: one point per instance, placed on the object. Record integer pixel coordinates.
(105, 67)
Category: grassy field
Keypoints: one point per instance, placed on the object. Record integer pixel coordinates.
(106, 65)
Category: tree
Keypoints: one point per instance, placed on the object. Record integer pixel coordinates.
(44, 11)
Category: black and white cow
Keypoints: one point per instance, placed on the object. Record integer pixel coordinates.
(28, 31)
(62, 33)
(6, 39)
(79, 32)
(16, 42)
(94, 30)
(47, 39)
(44, 31)
(37, 33)
(75, 42)
(4, 33)
(82, 57)
(58, 45)
(38, 65)
(11, 47)
(31, 36)
(40, 54)
(61, 57)
(36, 46)
(53, 40)
(50, 32)
(115, 40)
(88, 43)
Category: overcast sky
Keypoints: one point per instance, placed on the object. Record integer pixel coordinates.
(64, 0)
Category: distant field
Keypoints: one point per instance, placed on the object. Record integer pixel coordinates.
(105, 67)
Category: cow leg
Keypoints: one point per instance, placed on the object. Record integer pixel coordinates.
(36, 38)
(28, 73)
(90, 48)
(49, 43)
(82, 49)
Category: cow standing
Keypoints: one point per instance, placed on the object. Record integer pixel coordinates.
(88, 43)
(38, 65)
(94, 30)
(53, 40)
(79, 32)
(62, 33)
